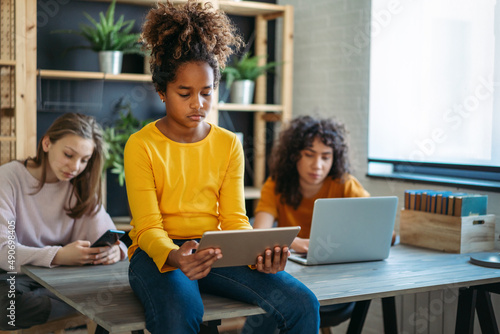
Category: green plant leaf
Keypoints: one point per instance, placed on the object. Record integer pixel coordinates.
(116, 137)
(108, 35)
(110, 14)
(246, 68)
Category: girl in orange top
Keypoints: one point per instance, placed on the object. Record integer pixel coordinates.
(309, 162)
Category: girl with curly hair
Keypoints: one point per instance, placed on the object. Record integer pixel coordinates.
(310, 161)
(184, 176)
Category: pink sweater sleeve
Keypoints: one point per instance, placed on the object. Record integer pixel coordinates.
(34, 225)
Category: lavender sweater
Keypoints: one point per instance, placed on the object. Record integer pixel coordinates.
(39, 222)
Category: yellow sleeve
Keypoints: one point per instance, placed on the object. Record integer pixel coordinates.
(268, 198)
(232, 215)
(147, 220)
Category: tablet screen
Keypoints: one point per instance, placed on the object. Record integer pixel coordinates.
(241, 247)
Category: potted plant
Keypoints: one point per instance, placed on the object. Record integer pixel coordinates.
(241, 74)
(109, 38)
(116, 137)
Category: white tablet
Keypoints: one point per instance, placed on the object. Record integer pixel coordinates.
(241, 247)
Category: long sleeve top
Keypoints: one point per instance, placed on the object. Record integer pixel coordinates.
(180, 190)
(37, 222)
(286, 215)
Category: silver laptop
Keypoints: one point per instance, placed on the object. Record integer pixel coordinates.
(351, 229)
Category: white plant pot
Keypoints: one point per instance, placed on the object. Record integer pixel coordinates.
(111, 61)
(242, 91)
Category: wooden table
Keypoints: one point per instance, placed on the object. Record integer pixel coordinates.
(103, 293)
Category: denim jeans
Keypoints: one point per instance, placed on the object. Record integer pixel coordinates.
(264, 324)
(173, 304)
(35, 305)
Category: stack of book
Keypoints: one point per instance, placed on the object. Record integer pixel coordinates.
(446, 202)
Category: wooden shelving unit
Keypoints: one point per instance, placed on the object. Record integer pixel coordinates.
(263, 13)
(82, 75)
(17, 79)
(240, 8)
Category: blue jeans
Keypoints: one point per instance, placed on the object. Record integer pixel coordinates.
(173, 304)
(264, 324)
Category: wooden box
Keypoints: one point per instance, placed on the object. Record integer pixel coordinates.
(447, 233)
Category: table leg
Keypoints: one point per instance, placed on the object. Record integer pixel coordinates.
(210, 327)
(389, 312)
(100, 330)
(465, 311)
(485, 312)
(358, 317)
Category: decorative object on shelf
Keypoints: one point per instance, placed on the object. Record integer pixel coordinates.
(108, 38)
(116, 137)
(110, 61)
(240, 77)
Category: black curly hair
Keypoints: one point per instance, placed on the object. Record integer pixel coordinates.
(299, 135)
(192, 32)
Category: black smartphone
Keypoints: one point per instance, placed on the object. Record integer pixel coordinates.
(108, 238)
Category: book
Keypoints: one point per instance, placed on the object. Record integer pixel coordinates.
(450, 205)
(423, 202)
(421, 199)
(427, 201)
(433, 201)
(416, 199)
(411, 204)
(407, 199)
(442, 202)
(470, 205)
(451, 202)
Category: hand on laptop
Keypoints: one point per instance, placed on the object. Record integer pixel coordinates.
(300, 245)
(273, 262)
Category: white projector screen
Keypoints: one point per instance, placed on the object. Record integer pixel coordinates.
(435, 82)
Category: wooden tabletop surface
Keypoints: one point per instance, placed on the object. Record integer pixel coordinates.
(103, 292)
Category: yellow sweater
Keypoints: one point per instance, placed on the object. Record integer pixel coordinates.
(180, 190)
(286, 215)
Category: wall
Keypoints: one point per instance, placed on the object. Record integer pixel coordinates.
(331, 78)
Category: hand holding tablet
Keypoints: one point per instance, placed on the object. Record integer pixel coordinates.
(242, 247)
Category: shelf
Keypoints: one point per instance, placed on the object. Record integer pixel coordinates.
(5, 62)
(252, 193)
(7, 138)
(250, 107)
(250, 8)
(240, 8)
(82, 75)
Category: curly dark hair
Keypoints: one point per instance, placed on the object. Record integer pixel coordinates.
(195, 32)
(299, 135)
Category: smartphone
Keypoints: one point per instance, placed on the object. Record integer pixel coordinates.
(108, 238)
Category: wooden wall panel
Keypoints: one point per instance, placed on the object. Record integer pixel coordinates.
(7, 81)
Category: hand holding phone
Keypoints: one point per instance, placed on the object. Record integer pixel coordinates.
(109, 238)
